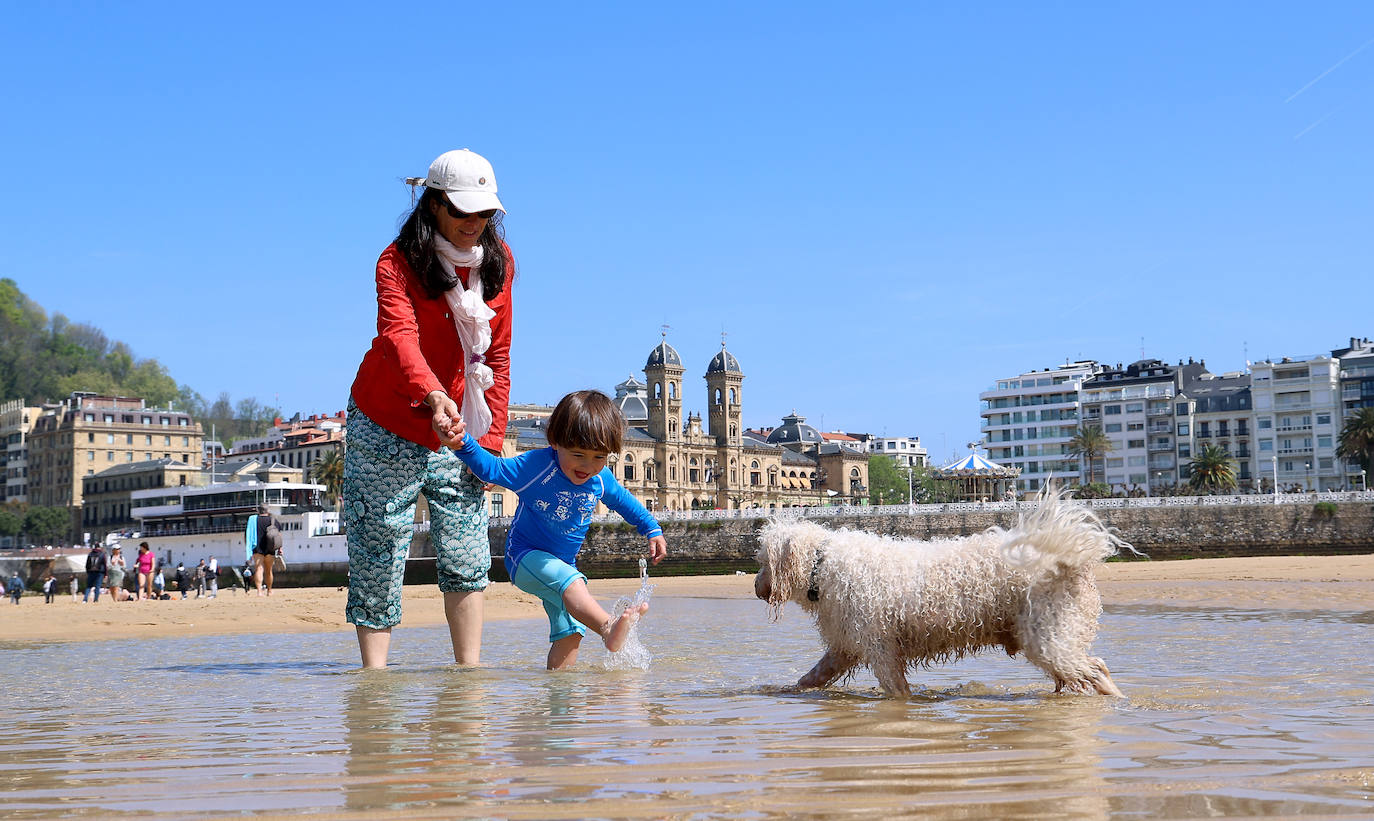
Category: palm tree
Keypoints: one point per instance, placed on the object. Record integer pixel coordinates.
(329, 470)
(1089, 443)
(1357, 439)
(1213, 470)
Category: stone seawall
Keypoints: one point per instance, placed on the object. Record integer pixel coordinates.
(723, 546)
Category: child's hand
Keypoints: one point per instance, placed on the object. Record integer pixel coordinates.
(658, 548)
(446, 420)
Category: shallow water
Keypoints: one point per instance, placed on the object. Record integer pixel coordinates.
(1230, 713)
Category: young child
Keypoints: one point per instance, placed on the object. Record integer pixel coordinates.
(559, 487)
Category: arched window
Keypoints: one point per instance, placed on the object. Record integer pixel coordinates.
(693, 475)
(658, 390)
(672, 390)
(716, 396)
(734, 397)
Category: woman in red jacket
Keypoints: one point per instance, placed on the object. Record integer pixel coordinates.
(442, 350)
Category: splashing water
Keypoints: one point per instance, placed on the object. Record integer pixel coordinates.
(633, 655)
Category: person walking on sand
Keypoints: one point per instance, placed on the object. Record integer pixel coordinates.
(443, 343)
(16, 587)
(116, 580)
(96, 565)
(49, 588)
(559, 487)
(264, 537)
(143, 564)
(183, 580)
(198, 578)
(212, 576)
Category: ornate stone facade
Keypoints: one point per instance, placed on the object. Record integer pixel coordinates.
(669, 462)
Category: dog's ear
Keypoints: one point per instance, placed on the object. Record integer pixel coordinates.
(787, 550)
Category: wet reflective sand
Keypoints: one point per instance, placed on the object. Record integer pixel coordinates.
(1231, 713)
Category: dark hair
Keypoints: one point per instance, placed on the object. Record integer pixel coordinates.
(416, 242)
(587, 420)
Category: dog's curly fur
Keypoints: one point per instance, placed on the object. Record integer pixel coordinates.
(893, 604)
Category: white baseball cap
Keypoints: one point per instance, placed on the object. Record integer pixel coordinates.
(466, 177)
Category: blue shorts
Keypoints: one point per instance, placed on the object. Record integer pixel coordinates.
(547, 576)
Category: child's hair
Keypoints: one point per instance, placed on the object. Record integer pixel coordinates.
(587, 420)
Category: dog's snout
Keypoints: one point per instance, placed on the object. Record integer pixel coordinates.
(762, 588)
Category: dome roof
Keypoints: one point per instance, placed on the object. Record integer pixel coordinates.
(662, 355)
(723, 362)
(794, 430)
(632, 397)
(974, 465)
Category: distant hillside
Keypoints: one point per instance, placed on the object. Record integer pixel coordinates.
(44, 360)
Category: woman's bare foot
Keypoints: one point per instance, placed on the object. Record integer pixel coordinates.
(616, 631)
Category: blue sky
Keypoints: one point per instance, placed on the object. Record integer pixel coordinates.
(887, 208)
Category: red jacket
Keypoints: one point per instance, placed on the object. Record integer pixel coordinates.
(417, 351)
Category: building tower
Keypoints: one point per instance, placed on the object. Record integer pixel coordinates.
(664, 374)
(723, 397)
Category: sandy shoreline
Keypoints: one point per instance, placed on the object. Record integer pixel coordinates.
(1289, 583)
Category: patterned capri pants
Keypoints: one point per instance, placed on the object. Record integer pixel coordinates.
(383, 477)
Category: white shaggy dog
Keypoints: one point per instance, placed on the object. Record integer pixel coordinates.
(893, 604)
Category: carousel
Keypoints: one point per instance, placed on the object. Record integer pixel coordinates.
(978, 479)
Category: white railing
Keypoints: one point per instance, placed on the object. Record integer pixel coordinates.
(973, 507)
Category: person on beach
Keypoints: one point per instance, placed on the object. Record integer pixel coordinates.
(559, 487)
(16, 587)
(266, 541)
(443, 343)
(115, 581)
(96, 565)
(183, 580)
(143, 564)
(159, 582)
(49, 588)
(212, 577)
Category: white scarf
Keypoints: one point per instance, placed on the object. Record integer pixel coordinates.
(472, 318)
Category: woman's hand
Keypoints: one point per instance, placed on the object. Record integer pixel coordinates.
(447, 422)
(658, 548)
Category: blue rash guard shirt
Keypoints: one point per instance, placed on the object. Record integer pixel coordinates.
(553, 513)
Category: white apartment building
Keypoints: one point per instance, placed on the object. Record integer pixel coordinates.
(906, 451)
(1029, 419)
(1134, 405)
(1297, 404)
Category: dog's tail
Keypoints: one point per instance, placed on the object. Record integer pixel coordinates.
(1059, 534)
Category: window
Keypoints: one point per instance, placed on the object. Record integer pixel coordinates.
(1182, 428)
(1135, 407)
(109, 438)
(1181, 409)
(1135, 426)
(90, 437)
(498, 505)
(1324, 441)
(128, 438)
(1185, 451)
(1112, 410)
(1264, 423)
(147, 439)
(1136, 461)
(1266, 446)
(1135, 443)
(1323, 419)
(1112, 427)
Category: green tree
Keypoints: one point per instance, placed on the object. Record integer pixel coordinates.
(11, 523)
(886, 482)
(328, 470)
(1089, 443)
(47, 523)
(1357, 439)
(1212, 470)
(927, 490)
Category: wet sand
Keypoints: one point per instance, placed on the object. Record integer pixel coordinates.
(1289, 583)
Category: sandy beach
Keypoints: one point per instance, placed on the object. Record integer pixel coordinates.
(1289, 583)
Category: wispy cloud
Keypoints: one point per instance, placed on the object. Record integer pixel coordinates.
(1317, 123)
(1315, 80)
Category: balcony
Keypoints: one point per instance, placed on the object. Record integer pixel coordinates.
(1161, 447)
(1293, 428)
(1295, 451)
(1204, 434)
(1157, 428)
(1161, 464)
(1164, 411)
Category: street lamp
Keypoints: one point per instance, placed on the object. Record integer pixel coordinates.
(1274, 460)
(910, 490)
(1308, 467)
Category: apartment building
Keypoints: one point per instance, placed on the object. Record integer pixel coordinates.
(906, 451)
(1297, 419)
(298, 443)
(88, 433)
(1029, 419)
(106, 497)
(1357, 391)
(1212, 410)
(16, 424)
(1134, 405)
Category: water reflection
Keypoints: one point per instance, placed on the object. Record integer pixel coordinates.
(1229, 712)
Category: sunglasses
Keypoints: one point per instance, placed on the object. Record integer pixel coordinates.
(454, 213)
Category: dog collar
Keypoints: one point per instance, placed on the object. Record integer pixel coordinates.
(813, 592)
